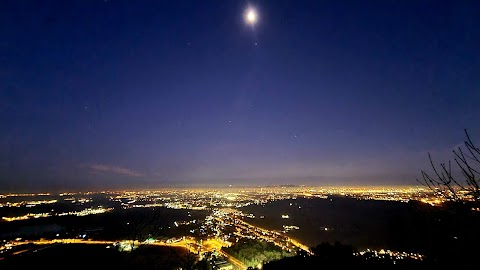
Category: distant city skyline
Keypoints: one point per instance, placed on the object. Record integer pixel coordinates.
(119, 94)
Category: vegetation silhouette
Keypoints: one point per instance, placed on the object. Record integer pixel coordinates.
(454, 231)
(458, 184)
(340, 256)
(254, 252)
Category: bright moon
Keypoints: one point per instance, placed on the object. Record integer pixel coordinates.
(251, 16)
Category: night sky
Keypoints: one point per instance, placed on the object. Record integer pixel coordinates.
(135, 94)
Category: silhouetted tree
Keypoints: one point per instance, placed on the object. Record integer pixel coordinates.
(203, 264)
(254, 252)
(187, 261)
(338, 251)
(339, 256)
(143, 224)
(448, 183)
(454, 233)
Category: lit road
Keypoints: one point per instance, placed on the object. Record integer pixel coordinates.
(233, 260)
(267, 232)
(186, 243)
(183, 244)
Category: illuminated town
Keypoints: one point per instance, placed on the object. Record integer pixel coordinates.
(201, 199)
(225, 224)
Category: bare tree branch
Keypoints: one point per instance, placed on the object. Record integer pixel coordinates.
(445, 182)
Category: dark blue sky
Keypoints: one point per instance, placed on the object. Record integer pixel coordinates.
(97, 94)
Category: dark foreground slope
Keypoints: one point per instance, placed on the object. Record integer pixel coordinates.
(342, 256)
(81, 256)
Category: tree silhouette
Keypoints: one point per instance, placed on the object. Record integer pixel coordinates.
(448, 183)
(149, 223)
(143, 224)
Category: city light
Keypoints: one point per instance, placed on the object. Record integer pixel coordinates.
(225, 225)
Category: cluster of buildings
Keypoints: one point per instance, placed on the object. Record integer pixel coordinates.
(84, 212)
(385, 253)
(205, 199)
(225, 223)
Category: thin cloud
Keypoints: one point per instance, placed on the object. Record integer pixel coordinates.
(115, 170)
